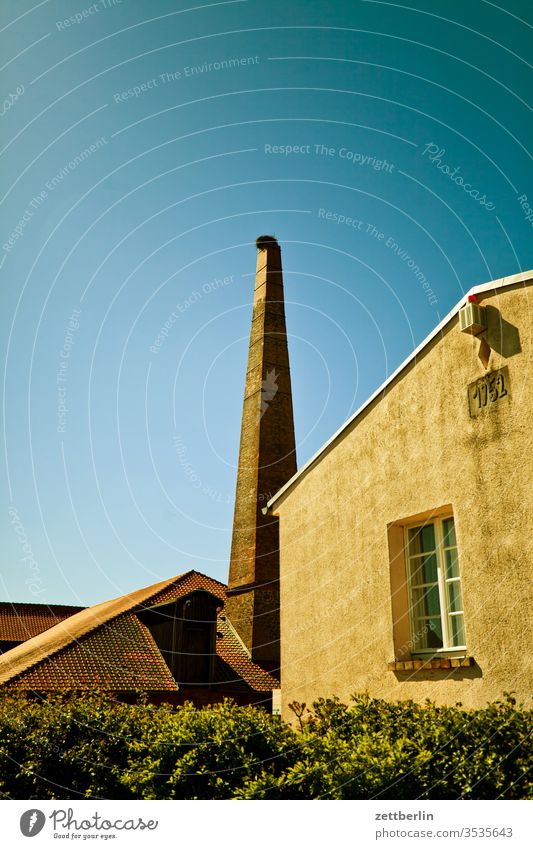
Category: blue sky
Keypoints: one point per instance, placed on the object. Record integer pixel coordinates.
(144, 147)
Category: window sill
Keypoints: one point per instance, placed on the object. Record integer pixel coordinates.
(431, 663)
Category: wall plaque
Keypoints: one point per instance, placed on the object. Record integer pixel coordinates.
(489, 390)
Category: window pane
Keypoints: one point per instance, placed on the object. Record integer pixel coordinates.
(434, 637)
(432, 570)
(426, 602)
(452, 563)
(457, 630)
(421, 539)
(427, 634)
(424, 569)
(434, 634)
(448, 529)
(454, 594)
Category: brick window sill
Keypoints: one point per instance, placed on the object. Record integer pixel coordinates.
(431, 663)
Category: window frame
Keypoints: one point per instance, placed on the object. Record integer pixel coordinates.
(442, 584)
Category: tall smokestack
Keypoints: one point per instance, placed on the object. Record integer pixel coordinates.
(267, 459)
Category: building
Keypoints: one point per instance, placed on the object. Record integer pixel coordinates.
(406, 542)
(396, 560)
(171, 640)
(267, 460)
(187, 638)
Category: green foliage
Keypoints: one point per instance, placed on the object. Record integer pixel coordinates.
(402, 750)
(92, 746)
(205, 754)
(70, 747)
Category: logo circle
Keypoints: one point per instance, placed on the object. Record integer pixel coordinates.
(32, 822)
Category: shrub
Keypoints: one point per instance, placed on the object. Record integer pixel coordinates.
(205, 754)
(90, 746)
(402, 750)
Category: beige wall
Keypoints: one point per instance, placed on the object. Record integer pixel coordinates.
(417, 449)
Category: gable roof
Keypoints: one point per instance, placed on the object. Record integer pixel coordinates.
(119, 656)
(107, 646)
(525, 278)
(70, 631)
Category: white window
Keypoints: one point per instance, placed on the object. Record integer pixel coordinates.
(435, 603)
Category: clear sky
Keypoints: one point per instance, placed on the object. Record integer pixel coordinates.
(145, 145)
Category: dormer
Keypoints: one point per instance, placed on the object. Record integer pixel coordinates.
(185, 633)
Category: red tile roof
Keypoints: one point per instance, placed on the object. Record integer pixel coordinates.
(23, 657)
(234, 665)
(19, 622)
(108, 647)
(118, 656)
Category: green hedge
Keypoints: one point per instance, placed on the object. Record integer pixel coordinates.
(94, 747)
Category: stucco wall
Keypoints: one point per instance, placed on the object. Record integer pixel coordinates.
(415, 449)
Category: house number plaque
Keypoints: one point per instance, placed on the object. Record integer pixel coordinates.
(489, 390)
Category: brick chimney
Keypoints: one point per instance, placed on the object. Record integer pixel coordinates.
(267, 459)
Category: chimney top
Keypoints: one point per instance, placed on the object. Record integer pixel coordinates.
(264, 241)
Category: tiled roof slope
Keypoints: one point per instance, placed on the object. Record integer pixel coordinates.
(110, 648)
(233, 664)
(21, 658)
(20, 621)
(118, 656)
